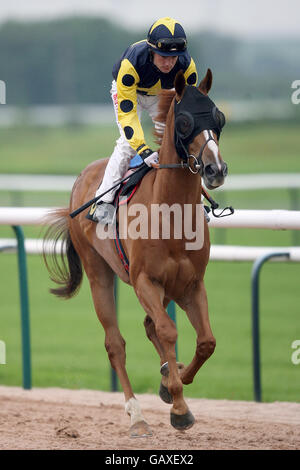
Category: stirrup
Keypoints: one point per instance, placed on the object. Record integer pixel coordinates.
(206, 212)
(90, 214)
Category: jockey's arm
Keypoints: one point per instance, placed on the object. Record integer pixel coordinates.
(127, 81)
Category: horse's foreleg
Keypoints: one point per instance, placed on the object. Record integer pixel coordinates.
(151, 297)
(196, 308)
(152, 336)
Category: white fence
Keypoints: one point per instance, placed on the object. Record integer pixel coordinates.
(232, 183)
(273, 219)
(264, 219)
(35, 246)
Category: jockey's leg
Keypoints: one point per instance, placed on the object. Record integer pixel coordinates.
(115, 170)
(119, 161)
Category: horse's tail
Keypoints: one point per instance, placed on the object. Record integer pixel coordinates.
(67, 276)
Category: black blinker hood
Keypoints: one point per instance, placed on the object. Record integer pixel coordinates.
(200, 113)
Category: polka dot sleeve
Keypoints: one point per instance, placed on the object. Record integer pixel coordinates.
(127, 81)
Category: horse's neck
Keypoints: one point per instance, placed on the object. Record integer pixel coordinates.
(175, 184)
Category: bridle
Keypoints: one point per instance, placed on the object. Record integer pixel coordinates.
(197, 162)
(197, 165)
(185, 131)
(193, 114)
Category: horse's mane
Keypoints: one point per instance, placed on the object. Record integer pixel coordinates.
(165, 100)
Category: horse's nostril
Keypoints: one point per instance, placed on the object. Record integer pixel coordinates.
(224, 169)
(211, 170)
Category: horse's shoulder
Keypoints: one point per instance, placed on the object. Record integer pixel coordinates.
(145, 189)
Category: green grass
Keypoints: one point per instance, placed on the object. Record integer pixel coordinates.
(67, 338)
(65, 150)
(247, 148)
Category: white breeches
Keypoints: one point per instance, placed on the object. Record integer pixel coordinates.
(119, 161)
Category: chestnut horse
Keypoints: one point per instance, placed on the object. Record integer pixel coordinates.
(161, 269)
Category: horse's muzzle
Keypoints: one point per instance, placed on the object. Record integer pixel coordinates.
(214, 176)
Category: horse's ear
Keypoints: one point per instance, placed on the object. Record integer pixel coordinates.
(206, 83)
(179, 84)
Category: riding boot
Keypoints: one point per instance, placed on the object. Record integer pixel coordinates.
(105, 213)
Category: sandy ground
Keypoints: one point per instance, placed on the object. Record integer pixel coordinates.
(84, 419)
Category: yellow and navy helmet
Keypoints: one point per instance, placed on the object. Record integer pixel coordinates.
(166, 37)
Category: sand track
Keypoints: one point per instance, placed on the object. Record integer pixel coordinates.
(83, 419)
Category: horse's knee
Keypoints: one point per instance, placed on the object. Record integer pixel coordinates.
(149, 327)
(166, 331)
(205, 348)
(115, 348)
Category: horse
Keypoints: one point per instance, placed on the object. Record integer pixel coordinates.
(161, 269)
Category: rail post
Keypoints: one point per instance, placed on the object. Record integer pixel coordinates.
(255, 319)
(172, 314)
(25, 327)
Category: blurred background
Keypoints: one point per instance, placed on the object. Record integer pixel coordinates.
(56, 60)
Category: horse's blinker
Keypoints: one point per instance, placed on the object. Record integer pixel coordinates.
(195, 113)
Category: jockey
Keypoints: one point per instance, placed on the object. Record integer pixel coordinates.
(144, 69)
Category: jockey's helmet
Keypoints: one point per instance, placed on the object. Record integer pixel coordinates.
(166, 37)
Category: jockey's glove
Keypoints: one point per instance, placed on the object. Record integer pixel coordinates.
(149, 157)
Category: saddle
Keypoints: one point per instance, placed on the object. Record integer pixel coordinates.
(128, 189)
(128, 186)
(136, 178)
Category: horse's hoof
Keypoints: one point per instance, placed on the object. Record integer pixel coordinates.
(140, 429)
(182, 422)
(164, 394)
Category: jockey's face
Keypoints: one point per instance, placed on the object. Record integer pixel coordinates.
(164, 64)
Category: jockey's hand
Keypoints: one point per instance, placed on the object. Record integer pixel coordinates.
(149, 157)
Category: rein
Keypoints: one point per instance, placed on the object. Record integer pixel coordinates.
(212, 202)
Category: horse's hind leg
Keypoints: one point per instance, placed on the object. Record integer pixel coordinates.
(197, 311)
(101, 279)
